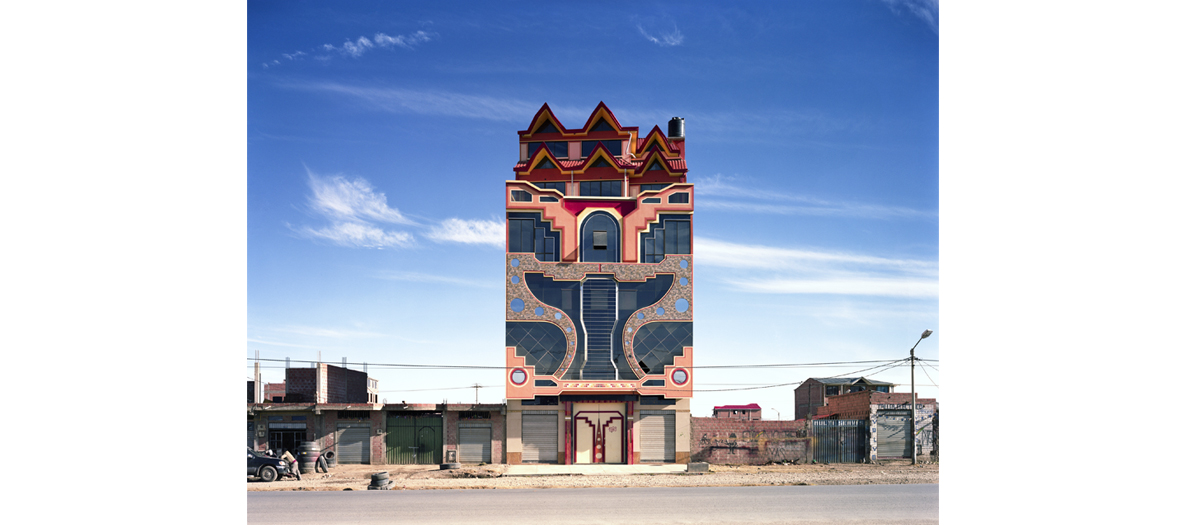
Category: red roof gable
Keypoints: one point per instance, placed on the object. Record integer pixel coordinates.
(751, 406)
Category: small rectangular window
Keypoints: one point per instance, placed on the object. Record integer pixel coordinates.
(602, 188)
(546, 198)
(559, 149)
(614, 147)
(599, 240)
(652, 187)
(678, 198)
(521, 196)
(559, 186)
(832, 391)
(652, 200)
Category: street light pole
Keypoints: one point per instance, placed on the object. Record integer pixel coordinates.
(914, 403)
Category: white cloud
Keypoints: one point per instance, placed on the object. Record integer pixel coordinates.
(438, 102)
(925, 10)
(360, 235)
(863, 286)
(489, 232)
(364, 44)
(767, 269)
(350, 200)
(666, 38)
(717, 186)
(429, 278)
(712, 252)
(407, 42)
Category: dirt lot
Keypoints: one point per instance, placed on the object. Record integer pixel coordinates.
(418, 477)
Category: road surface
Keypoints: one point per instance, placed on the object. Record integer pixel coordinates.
(876, 504)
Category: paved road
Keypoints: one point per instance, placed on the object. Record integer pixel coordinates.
(876, 504)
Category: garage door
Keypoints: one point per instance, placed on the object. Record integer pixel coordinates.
(352, 443)
(538, 436)
(893, 435)
(475, 445)
(657, 437)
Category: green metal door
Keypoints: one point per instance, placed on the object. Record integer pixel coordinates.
(412, 438)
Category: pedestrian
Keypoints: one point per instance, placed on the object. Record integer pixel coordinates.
(291, 466)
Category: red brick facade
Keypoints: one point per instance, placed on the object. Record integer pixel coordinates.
(856, 405)
(743, 442)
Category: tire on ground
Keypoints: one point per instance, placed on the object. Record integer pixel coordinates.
(268, 473)
(449, 466)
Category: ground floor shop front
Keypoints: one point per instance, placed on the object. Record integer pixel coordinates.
(616, 429)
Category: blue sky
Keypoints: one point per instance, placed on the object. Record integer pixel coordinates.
(380, 136)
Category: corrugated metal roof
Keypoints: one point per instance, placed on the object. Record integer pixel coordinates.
(836, 380)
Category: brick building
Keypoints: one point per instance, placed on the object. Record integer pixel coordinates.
(326, 383)
(751, 412)
(598, 304)
(889, 429)
(814, 393)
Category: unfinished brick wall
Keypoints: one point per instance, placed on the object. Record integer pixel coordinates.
(743, 442)
(809, 397)
(300, 383)
(856, 404)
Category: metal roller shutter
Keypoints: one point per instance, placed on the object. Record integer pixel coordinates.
(657, 437)
(893, 435)
(353, 443)
(538, 437)
(475, 445)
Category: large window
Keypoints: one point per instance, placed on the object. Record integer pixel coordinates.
(559, 186)
(601, 188)
(559, 149)
(672, 235)
(614, 147)
(528, 233)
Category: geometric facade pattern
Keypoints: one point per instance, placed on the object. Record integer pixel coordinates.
(657, 343)
(541, 344)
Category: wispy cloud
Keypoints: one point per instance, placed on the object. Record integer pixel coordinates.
(925, 10)
(351, 207)
(663, 38)
(768, 269)
(489, 232)
(718, 187)
(444, 279)
(359, 235)
(350, 200)
(325, 332)
(362, 45)
(437, 102)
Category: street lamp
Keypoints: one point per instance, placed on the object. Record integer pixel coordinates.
(914, 403)
(777, 415)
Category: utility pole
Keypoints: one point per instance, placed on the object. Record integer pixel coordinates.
(914, 403)
(477, 387)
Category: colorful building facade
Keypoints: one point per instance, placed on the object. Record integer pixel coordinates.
(599, 302)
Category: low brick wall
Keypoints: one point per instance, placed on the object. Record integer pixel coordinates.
(740, 442)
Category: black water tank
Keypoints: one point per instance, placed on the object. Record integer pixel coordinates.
(676, 128)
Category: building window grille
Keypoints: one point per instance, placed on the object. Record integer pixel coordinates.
(521, 196)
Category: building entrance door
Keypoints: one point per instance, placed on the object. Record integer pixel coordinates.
(598, 432)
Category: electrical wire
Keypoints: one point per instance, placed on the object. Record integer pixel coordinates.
(927, 374)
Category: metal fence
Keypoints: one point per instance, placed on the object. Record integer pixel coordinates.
(840, 440)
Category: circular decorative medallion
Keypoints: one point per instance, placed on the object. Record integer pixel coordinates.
(516, 280)
(680, 376)
(516, 262)
(519, 376)
(517, 305)
(683, 263)
(539, 311)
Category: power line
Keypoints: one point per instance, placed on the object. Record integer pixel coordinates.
(923, 366)
(894, 363)
(483, 367)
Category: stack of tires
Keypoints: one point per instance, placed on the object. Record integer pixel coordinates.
(309, 452)
(379, 481)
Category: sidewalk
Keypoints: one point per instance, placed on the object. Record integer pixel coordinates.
(592, 470)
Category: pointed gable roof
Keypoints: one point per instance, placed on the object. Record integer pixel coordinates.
(543, 115)
(655, 138)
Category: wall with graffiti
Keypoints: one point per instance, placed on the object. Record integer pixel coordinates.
(741, 442)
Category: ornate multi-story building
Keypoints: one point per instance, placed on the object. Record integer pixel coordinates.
(598, 306)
